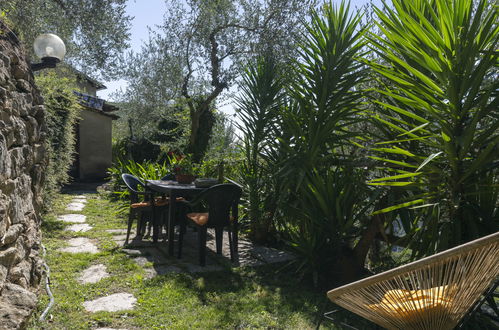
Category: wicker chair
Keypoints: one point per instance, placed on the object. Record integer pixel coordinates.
(431, 293)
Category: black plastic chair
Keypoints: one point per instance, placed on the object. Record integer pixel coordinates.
(139, 207)
(168, 177)
(222, 202)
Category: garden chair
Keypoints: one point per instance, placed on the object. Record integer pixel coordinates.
(169, 176)
(431, 293)
(222, 201)
(140, 207)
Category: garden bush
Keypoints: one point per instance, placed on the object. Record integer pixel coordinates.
(62, 111)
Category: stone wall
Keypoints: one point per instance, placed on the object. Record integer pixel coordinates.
(22, 163)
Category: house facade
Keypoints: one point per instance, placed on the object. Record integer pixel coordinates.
(93, 150)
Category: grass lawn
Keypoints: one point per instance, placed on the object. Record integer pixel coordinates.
(233, 298)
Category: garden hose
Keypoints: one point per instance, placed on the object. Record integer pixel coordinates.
(47, 286)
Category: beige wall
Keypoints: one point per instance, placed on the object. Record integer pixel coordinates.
(95, 145)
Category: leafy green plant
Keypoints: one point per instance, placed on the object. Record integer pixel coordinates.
(439, 115)
(61, 115)
(144, 171)
(258, 106)
(184, 165)
(324, 203)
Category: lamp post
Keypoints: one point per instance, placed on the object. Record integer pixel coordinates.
(50, 48)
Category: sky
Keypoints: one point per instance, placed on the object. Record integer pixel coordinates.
(148, 13)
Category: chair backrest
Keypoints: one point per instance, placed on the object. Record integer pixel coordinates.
(132, 182)
(431, 293)
(169, 176)
(221, 200)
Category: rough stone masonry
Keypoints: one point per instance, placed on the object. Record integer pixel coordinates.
(22, 164)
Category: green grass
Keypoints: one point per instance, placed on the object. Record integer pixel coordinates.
(234, 298)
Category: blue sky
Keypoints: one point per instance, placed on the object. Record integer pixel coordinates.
(148, 13)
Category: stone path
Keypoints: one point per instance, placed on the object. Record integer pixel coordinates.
(95, 273)
(80, 245)
(79, 228)
(145, 254)
(72, 218)
(112, 303)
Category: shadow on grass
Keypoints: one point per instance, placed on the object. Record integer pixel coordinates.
(51, 227)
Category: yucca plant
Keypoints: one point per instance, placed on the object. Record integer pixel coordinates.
(324, 201)
(440, 115)
(258, 107)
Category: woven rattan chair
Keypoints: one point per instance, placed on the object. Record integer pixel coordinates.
(431, 293)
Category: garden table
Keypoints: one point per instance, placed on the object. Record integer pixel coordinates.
(172, 189)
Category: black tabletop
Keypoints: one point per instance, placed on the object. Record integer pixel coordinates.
(167, 186)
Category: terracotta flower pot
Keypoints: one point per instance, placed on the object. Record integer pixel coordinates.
(185, 178)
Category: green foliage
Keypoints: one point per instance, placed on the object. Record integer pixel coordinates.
(183, 165)
(197, 53)
(319, 200)
(258, 107)
(95, 31)
(61, 114)
(144, 171)
(439, 117)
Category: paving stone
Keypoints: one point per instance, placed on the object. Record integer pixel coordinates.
(79, 228)
(72, 218)
(79, 200)
(155, 257)
(93, 274)
(113, 303)
(132, 252)
(75, 207)
(80, 196)
(192, 268)
(271, 255)
(80, 245)
(135, 243)
(162, 270)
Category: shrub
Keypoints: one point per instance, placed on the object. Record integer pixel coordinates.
(61, 115)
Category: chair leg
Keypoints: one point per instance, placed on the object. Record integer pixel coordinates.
(181, 238)
(130, 222)
(231, 244)
(202, 231)
(235, 240)
(219, 237)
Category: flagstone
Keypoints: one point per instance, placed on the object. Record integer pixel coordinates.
(79, 200)
(72, 218)
(93, 274)
(75, 207)
(80, 227)
(112, 303)
(80, 245)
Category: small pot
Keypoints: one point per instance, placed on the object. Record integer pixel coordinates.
(185, 178)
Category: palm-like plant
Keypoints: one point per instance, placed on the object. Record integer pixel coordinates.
(258, 107)
(324, 203)
(440, 112)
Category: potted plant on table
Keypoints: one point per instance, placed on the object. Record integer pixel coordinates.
(185, 170)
